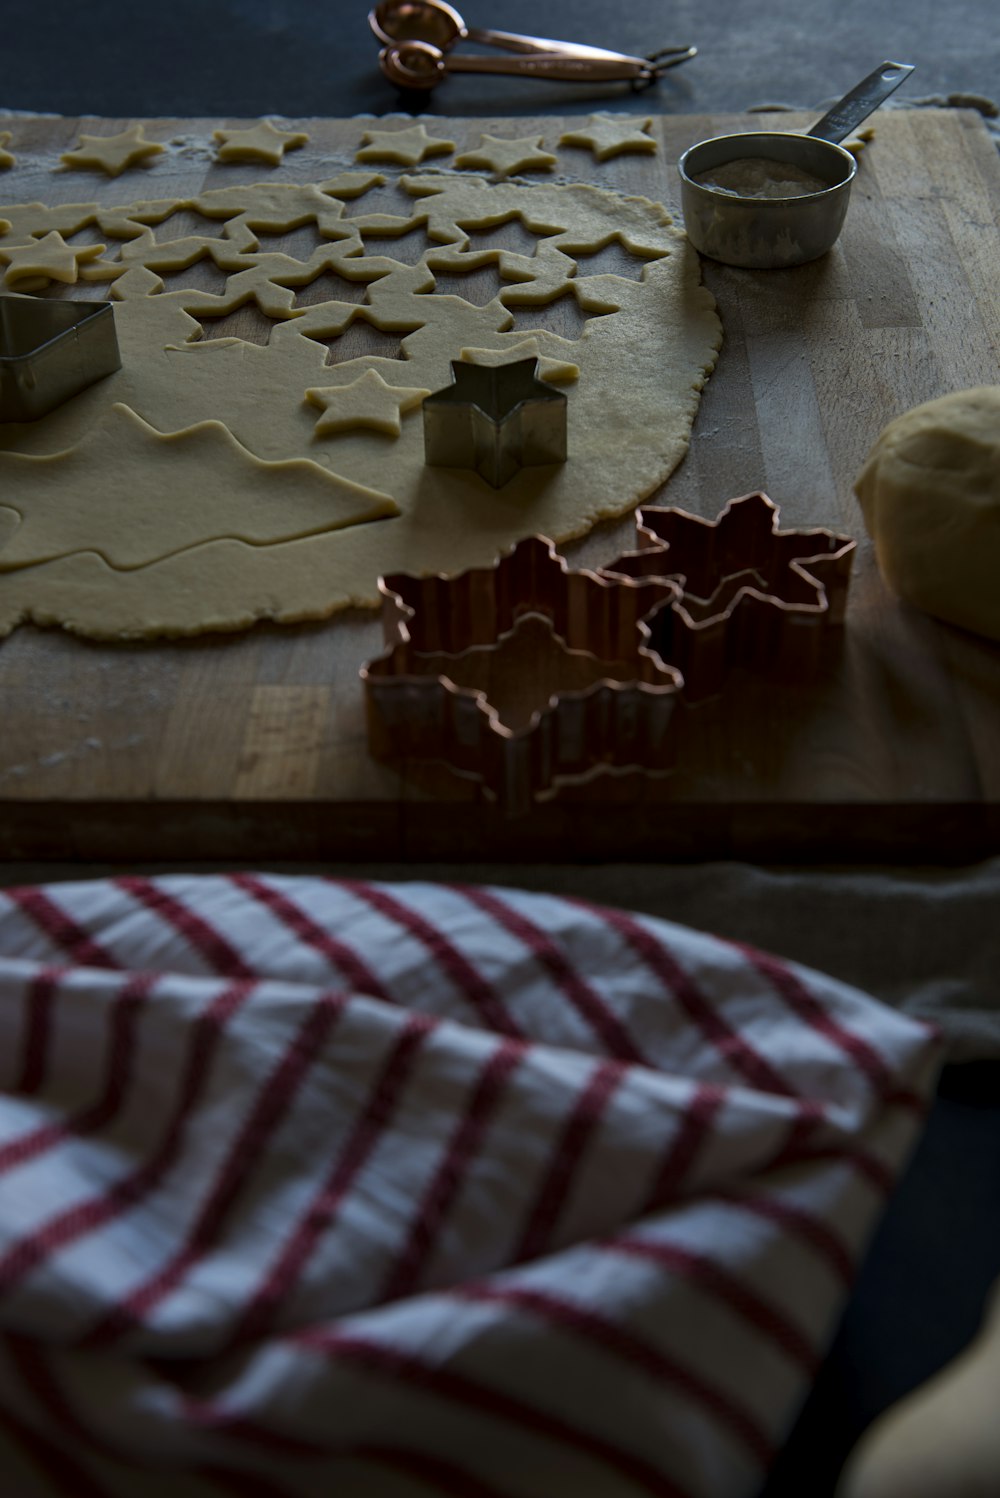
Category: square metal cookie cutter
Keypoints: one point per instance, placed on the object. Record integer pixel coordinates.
(51, 350)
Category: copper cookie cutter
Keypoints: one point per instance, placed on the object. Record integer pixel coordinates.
(611, 699)
(645, 636)
(752, 595)
(51, 350)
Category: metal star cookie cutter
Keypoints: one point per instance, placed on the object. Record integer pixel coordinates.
(752, 595)
(495, 419)
(51, 350)
(428, 695)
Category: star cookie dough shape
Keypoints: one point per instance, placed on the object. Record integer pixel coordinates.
(408, 147)
(368, 401)
(112, 153)
(506, 156)
(47, 259)
(261, 142)
(6, 159)
(608, 135)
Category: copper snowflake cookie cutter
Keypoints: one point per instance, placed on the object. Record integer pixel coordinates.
(752, 595)
(663, 623)
(612, 695)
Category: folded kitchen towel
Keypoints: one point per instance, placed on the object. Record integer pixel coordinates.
(313, 1185)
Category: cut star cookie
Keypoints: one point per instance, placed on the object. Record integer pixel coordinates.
(608, 135)
(261, 142)
(50, 258)
(6, 159)
(112, 153)
(366, 402)
(408, 147)
(508, 156)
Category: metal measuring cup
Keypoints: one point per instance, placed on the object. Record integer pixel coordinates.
(769, 233)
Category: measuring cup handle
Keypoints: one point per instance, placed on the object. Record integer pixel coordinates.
(847, 114)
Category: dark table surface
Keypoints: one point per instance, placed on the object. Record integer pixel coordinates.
(921, 1292)
(248, 57)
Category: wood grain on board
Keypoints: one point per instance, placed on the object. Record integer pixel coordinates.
(253, 747)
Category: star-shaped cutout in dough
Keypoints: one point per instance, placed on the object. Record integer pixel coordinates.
(506, 156)
(261, 142)
(6, 159)
(608, 135)
(367, 401)
(112, 153)
(47, 259)
(408, 147)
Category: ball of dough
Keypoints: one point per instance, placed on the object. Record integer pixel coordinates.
(930, 494)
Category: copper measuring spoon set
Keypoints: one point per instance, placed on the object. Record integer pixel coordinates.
(418, 37)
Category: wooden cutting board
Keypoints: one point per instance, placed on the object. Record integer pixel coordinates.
(253, 747)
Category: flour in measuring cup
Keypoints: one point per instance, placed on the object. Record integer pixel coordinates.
(760, 177)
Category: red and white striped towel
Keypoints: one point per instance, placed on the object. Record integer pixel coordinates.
(313, 1186)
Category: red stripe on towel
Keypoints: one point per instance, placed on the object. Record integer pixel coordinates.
(39, 1001)
(448, 1179)
(123, 1018)
(802, 1003)
(29, 1252)
(729, 1044)
(496, 1404)
(236, 1174)
(203, 938)
(76, 944)
(320, 1216)
(471, 984)
(599, 1018)
(799, 1223)
(700, 1270)
(692, 1130)
(635, 1351)
(577, 1132)
(357, 973)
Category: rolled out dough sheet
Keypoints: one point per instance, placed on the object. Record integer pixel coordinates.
(111, 560)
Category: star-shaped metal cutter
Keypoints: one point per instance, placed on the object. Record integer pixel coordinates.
(752, 595)
(417, 712)
(50, 351)
(495, 419)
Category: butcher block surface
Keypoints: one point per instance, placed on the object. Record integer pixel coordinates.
(253, 746)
